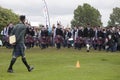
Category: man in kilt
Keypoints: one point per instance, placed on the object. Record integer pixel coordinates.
(43, 40)
(88, 35)
(69, 36)
(79, 39)
(59, 36)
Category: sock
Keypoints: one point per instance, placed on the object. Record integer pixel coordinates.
(11, 63)
(25, 62)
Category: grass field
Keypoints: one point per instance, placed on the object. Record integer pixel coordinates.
(52, 64)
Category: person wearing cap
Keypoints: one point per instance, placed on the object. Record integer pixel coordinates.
(19, 31)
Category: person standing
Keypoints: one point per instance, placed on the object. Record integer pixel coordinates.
(19, 47)
(59, 36)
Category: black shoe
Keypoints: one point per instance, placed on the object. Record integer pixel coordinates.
(30, 69)
(88, 51)
(10, 71)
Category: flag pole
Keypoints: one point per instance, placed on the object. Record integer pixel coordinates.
(47, 14)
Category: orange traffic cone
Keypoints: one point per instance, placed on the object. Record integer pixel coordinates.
(78, 64)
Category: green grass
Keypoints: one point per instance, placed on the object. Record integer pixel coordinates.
(52, 64)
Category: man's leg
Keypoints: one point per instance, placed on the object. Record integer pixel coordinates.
(11, 65)
(26, 64)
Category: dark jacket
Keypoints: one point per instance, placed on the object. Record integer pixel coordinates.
(19, 31)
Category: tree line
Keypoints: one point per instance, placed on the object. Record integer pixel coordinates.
(83, 15)
(87, 14)
(7, 16)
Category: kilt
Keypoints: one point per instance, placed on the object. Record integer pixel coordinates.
(88, 41)
(58, 39)
(79, 40)
(19, 50)
(29, 39)
(95, 41)
(43, 40)
(100, 41)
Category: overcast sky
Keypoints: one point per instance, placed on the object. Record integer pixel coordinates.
(59, 10)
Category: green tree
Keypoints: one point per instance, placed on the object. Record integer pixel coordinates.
(86, 14)
(114, 17)
(7, 16)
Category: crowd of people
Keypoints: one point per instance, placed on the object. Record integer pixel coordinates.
(98, 38)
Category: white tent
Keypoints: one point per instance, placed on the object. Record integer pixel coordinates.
(35, 24)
